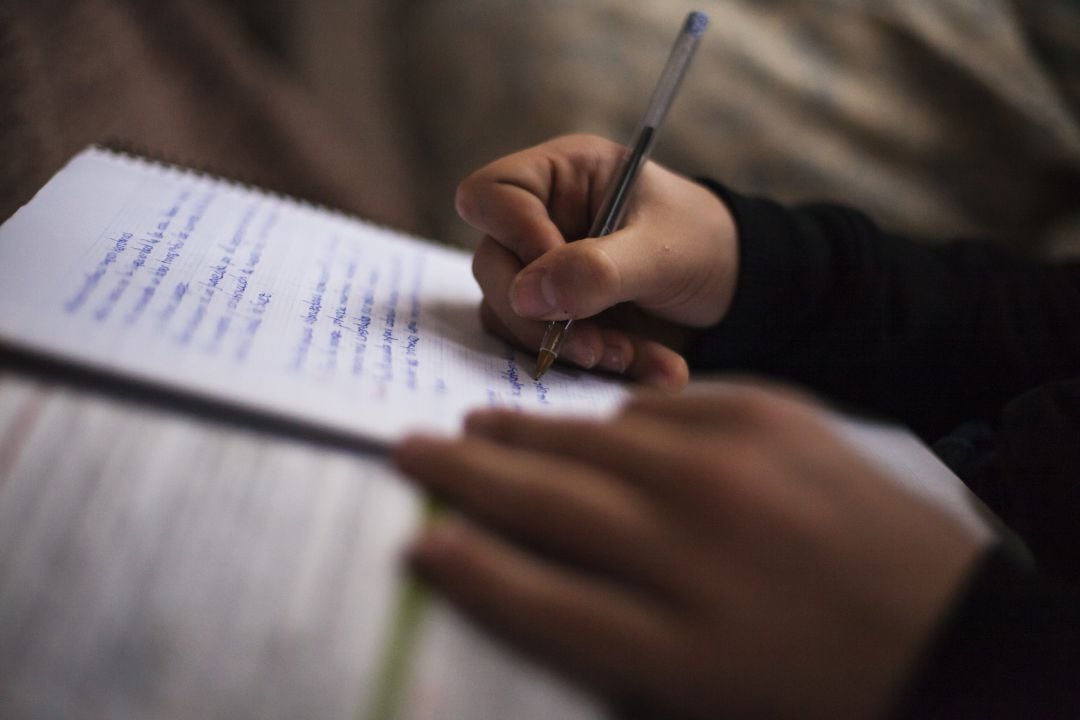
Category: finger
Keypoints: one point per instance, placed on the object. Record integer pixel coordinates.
(696, 485)
(689, 477)
(739, 404)
(585, 344)
(656, 365)
(588, 345)
(650, 261)
(562, 508)
(650, 363)
(491, 322)
(507, 200)
(494, 268)
(588, 276)
(640, 450)
(532, 200)
(646, 361)
(511, 215)
(585, 628)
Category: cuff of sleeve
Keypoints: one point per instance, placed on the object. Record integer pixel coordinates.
(775, 264)
(1007, 649)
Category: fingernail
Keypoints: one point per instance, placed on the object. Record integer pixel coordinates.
(661, 380)
(613, 360)
(533, 295)
(577, 350)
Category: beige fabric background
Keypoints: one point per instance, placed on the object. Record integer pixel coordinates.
(198, 82)
(938, 118)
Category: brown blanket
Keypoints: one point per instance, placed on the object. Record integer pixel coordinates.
(182, 80)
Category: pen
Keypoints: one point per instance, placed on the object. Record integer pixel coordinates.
(612, 209)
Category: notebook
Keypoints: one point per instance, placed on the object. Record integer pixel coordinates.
(171, 279)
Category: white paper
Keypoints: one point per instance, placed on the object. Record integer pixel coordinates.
(911, 465)
(263, 302)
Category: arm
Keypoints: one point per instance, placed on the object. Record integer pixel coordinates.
(706, 497)
(712, 554)
(931, 336)
(819, 295)
(1009, 648)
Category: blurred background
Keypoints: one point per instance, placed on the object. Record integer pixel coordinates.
(939, 118)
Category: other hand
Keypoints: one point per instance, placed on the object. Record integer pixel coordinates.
(709, 555)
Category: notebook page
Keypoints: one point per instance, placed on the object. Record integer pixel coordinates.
(269, 304)
(911, 465)
(159, 566)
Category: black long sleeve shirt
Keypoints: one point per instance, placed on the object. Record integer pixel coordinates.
(939, 337)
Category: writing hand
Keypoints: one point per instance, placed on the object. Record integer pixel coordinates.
(634, 293)
(709, 555)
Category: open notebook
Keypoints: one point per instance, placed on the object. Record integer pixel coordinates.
(244, 574)
(227, 293)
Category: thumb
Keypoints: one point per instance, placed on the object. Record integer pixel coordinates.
(586, 277)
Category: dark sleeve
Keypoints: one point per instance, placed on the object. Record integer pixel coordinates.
(1010, 648)
(1037, 476)
(925, 335)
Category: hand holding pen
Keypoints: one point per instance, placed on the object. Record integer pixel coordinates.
(636, 294)
(612, 209)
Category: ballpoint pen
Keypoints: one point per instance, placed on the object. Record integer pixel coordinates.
(613, 208)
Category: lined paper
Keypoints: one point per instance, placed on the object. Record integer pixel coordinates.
(154, 565)
(237, 295)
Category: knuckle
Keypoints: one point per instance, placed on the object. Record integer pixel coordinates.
(754, 405)
(768, 406)
(479, 263)
(507, 427)
(722, 481)
(593, 269)
(466, 197)
(488, 320)
(774, 407)
(698, 476)
(517, 505)
(485, 263)
(536, 503)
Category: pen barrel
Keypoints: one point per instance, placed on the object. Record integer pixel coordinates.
(616, 199)
(682, 52)
(613, 207)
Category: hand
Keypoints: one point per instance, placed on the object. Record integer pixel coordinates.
(672, 265)
(708, 555)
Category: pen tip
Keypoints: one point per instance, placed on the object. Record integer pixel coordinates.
(543, 362)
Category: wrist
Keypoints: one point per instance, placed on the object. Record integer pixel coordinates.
(766, 304)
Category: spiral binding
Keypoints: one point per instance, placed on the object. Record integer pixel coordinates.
(142, 153)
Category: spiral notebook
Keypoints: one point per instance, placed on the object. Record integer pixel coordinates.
(230, 295)
(173, 285)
